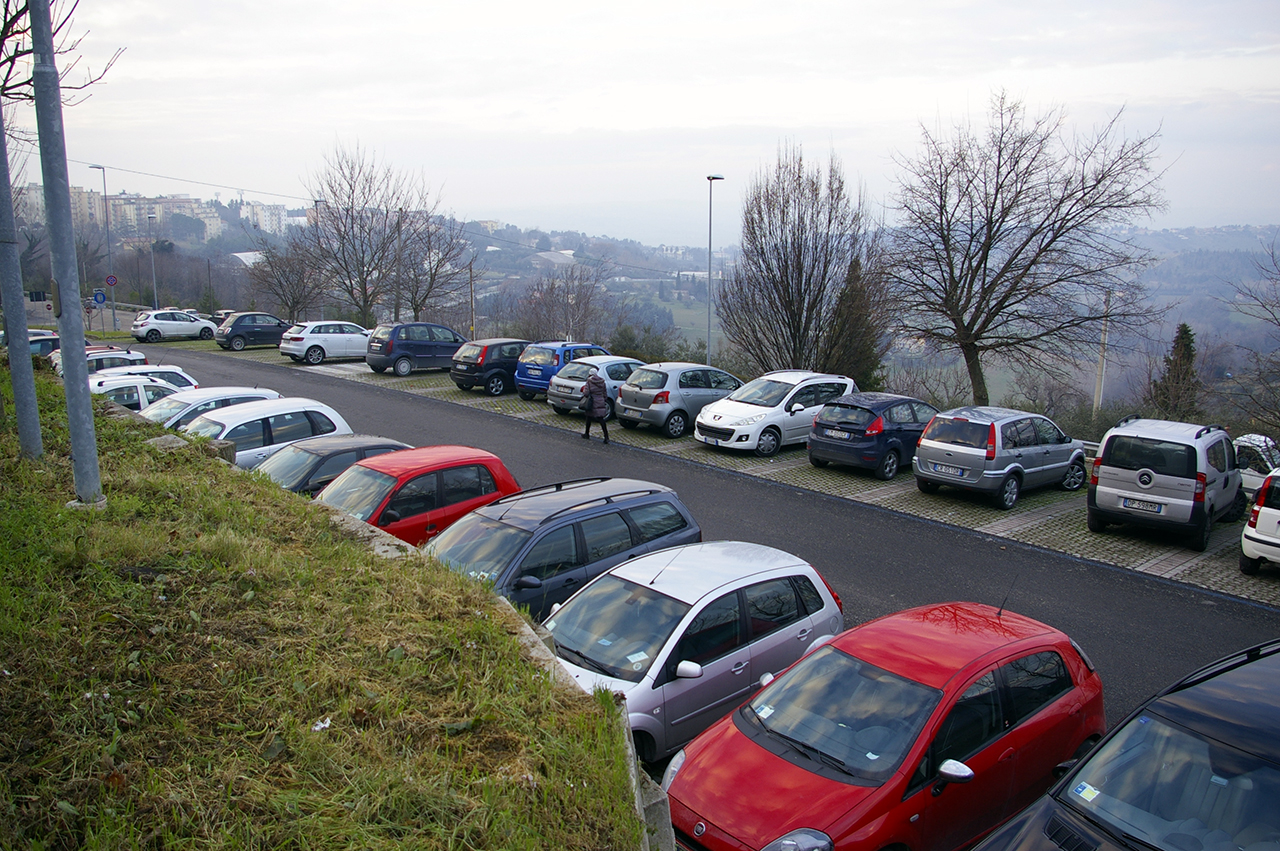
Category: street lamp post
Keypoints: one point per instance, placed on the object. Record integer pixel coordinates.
(155, 291)
(711, 182)
(106, 226)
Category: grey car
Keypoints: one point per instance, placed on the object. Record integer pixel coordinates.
(669, 395)
(687, 633)
(569, 385)
(997, 451)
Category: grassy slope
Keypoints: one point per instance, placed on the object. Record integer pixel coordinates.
(164, 664)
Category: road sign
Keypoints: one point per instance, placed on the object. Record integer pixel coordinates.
(111, 280)
(48, 305)
(99, 297)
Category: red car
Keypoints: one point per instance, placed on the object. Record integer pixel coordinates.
(922, 731)
(416, 493)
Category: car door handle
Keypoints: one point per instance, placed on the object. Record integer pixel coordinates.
(740, 667)
(570, 581)
(1007, 755)
(804, 634)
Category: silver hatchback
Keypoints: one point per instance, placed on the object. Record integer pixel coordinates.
(569, 385)
(668, 396)
(999, 451)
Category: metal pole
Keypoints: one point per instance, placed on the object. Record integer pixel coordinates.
(1102, 359)
(711, 182)
(106, 224)
(155, 291)
(62, 249)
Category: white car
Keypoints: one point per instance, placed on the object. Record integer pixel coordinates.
(1260, 540)
(1256, 455)
(314, 341)
(175, 375)
(770, 412)
(259, 429)
(134, 392)
(152, 326)
(181, 408)
(100, 357)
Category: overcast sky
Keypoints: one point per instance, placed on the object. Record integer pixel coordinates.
(607, 118)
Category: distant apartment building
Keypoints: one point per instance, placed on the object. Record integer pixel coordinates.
(128, 212)
(265, 217)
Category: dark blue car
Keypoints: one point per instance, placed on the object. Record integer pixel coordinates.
(878, 431)
(540, 361)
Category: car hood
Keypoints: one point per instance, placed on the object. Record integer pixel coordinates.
(590, 680)
(730, 411)
(783, 797)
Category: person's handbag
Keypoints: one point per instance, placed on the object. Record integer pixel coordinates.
(585, 404)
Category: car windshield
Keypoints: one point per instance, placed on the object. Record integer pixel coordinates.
(957, 432)
(764, 392)
(1174, 789)
(358, 491)
(647, 379)
(846, 415)
(615, 627)
(204, 427)
(576, 370)
(847, 710)
(289, 467)
(538, 356)
(161, 411)
(478, 546)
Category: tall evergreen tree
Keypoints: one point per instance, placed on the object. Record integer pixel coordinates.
(1175, 393)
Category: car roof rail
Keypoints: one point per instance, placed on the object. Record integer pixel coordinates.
(1226, 663)
(551, 488)
(1130, 418)
(1202, 432)
(602, 500)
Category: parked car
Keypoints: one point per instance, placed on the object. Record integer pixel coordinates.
(309, 465)
(315, 341)
(1256, 456)
(687, 632)
(412, 345)
(134, 392)
(1260, 540)
(249, 328)
(569, 385)
(876, 431)
(152, 326)
(997, 451)
(539, 362)
(668, 395)
(1197, 766)
(417, 493)
(539, 546)
(259, 429)
(100, 357)
(923, 729)
(184, 406)
(44, 344)
(220, 316)
(489, 364)
(1165, 475)
(175, 375)
(32, 334)
(770, 412)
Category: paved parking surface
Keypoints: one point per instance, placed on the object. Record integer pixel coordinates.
(1046, 518)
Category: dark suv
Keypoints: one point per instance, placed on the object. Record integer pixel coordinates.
(541, 361)
(1195, 768)
(407, 346)
(250, 329)
(539, 546)
(489, 363)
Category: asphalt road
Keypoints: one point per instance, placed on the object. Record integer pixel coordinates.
(1142, 632)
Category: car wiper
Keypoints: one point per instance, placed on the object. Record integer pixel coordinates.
(1138, 843)
(809, 750)
(583, 659)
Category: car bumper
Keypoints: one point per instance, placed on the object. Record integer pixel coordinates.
(855, 453)
(464, 377)
(380, 360)
(988, 481)
(532, 385)
(1108, 512)
(560, 399)
(1254, 545)
(655, 416)
(293, 350)
(741, 437)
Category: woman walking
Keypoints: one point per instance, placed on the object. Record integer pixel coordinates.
(597, 409)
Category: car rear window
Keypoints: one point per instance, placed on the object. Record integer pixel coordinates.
(846, 414)
(538, 356)
(647, 379)
(576, 370)
(468, 351)
(1166, 458)
(957, 432)
(382, 332)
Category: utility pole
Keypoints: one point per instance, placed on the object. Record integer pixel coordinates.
(62, 250)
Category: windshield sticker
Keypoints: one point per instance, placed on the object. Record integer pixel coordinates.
(764, 712)
(1084, 790)
(604, 642)
(550, 624)
(638, 657)
(873, 756)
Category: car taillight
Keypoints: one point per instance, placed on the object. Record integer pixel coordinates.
(1260, 498)
(1093, 477)
(877, 426)
(582, 389)
(387, 350)
(555, 359)
(663, 398)
(480, 360)
(834, 595)
(1201, 482)
(991, 442)
(295, 339)
(1253, 518)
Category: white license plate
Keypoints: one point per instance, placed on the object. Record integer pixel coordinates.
(630, 413)
(1143, 505)
(533, 370)
(837, 433)
(711, 440)
(950, 471)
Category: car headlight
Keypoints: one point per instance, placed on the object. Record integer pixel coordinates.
(746, 421)
(804, 839)
(673, 768)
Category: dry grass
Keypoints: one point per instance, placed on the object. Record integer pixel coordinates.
(209, 663)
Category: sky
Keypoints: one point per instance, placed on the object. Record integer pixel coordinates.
(607, 118)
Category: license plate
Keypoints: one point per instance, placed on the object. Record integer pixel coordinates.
(533, 370)
(711, 440)
(1143, 505)
(950, 471)
(837, 433)
(630, 413)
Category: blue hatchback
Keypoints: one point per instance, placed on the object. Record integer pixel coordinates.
(878, 431)
(540, 361)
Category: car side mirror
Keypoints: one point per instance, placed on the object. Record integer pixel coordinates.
(528, 583)
(555, 607)
(951, 771)
(1062, 768)
(796, 408)
(388, 517)
(766, 678)
(688, 670)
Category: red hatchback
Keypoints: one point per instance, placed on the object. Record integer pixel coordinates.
(416, 493)
(922, 730)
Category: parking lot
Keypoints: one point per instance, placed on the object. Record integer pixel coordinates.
(1046, 518)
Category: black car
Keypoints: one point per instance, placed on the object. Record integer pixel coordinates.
(878, 431)
(407, 346)
(1195, 768)
(541, 545)
(489, 363)
(308, 465)
(250, 328)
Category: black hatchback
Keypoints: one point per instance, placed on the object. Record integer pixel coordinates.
(878, 431)
(250, 328)
(489, 364)
(1195, 768)
(308, 465)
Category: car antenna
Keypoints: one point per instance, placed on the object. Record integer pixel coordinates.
(1006, 595)
(664, 567)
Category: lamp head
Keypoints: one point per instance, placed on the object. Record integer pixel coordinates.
(715, 177)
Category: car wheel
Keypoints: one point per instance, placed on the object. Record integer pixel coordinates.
(1249, 566)
(608, 414)
(496, 385)
(818, 462)
(527, 395)
(1239, 506)
(627, 424)
(926, 486)
(768, 443)
(461, 386)
(1200, 540)
(888, 466)
(153, 336)
(564, 412)
(1007, 496)
(402, 367)
(1074, 479)
(315, 355)
(378, 369)
(206, 333)
(237, 344)
(645, 749)
(1094, 522)
(676, 425)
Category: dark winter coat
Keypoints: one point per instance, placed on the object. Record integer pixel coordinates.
(599, 396)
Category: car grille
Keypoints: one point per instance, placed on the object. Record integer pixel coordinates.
(1066, 838)
(715, 433)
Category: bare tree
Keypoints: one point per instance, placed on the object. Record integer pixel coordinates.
(289, 277)
(16, 52)
(806, 291)
(1006, 245)
(568, 302)
(1256, 388)
(433, 267)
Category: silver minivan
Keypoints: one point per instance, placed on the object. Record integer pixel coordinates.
(999, 451)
